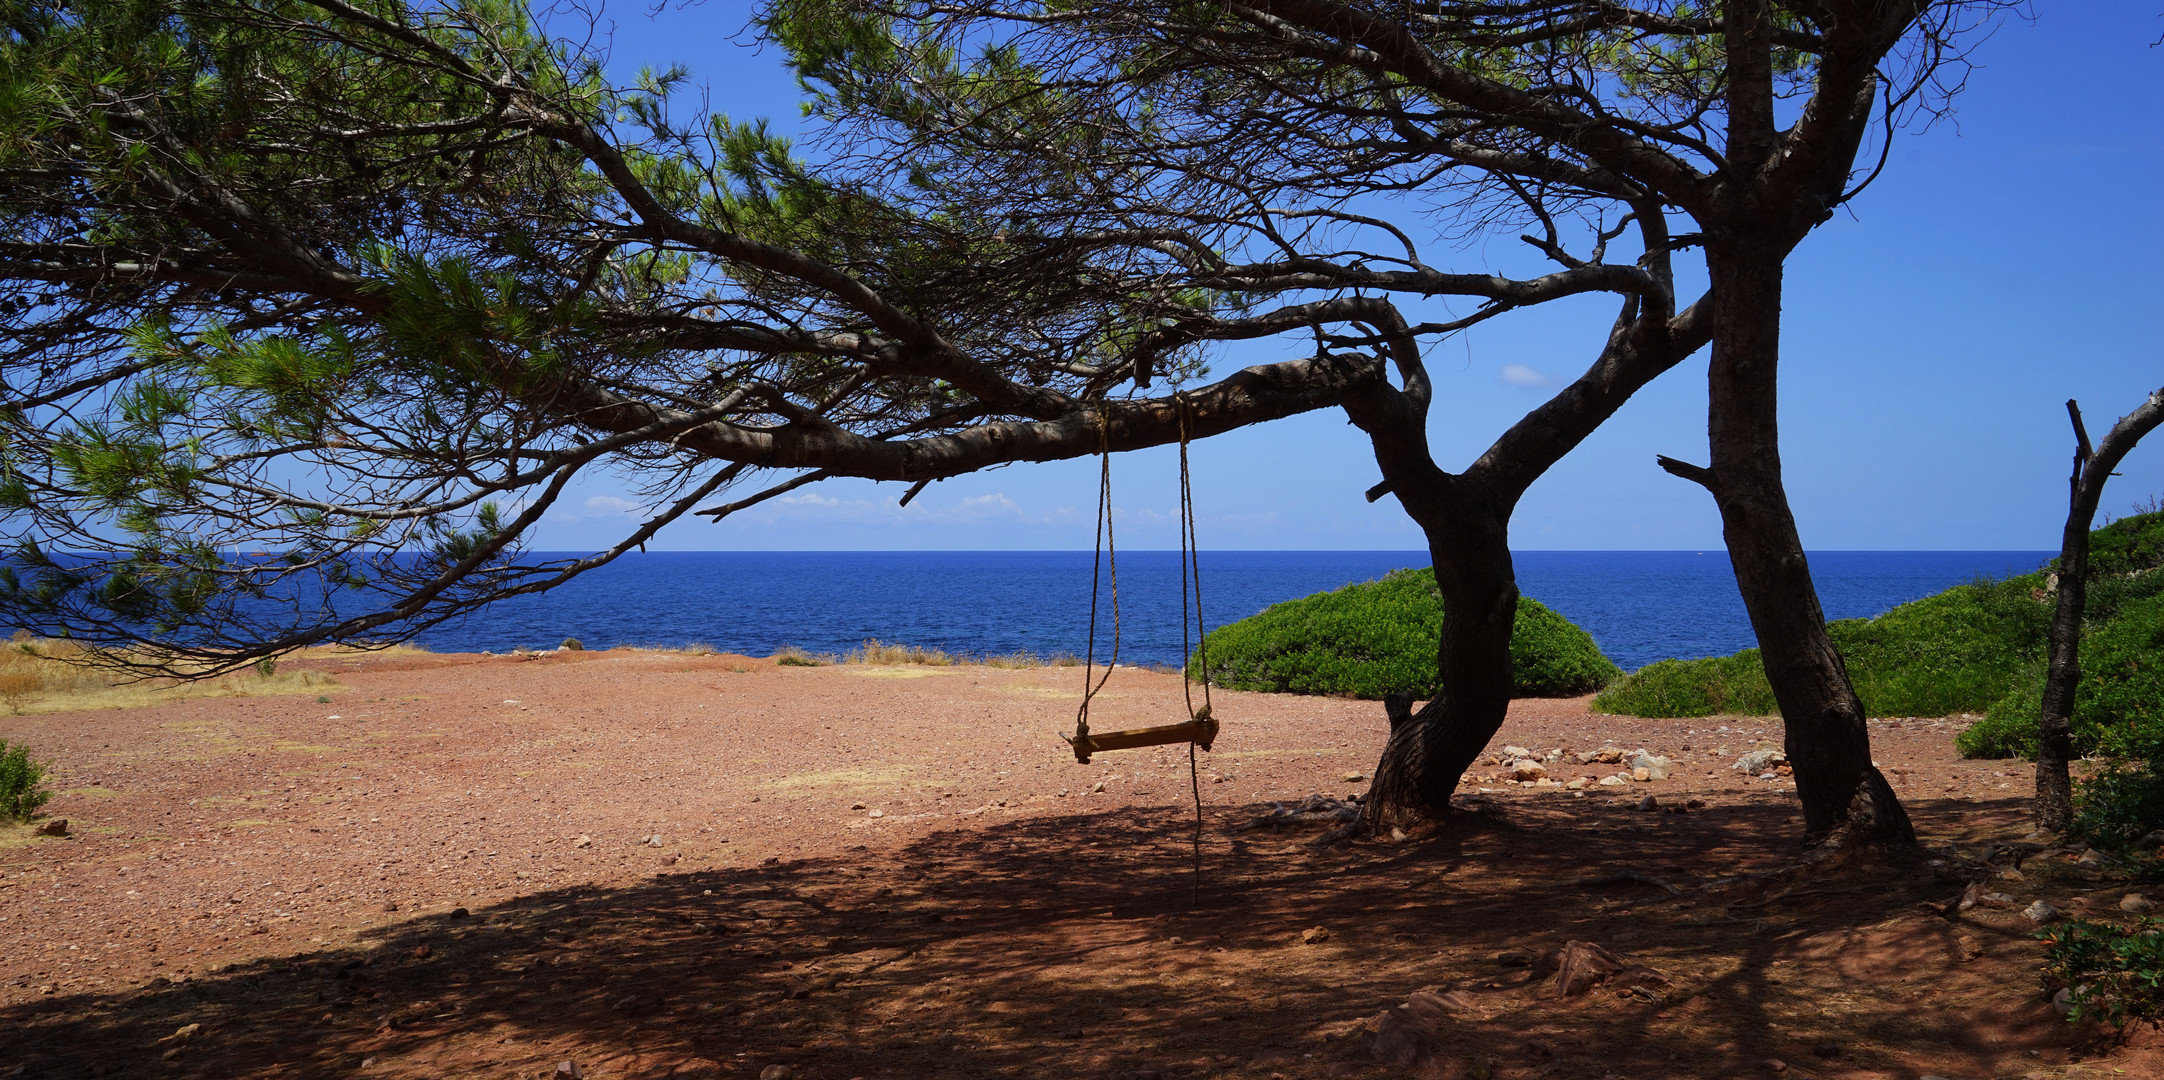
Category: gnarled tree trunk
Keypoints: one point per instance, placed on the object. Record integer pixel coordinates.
(1428, 750)
(1845, 799)
(2055, 721)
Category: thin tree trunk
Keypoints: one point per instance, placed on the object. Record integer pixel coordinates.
(2055, 721)
(1429, 750)
(1845, 799)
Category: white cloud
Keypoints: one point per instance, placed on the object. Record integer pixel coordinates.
(1520, 375)
(609, 504)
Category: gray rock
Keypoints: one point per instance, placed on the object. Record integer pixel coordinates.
(2152, 840)
(1649, 803)
(1759, 761)
(1656, 767)
(1513, 753)
(568, 1070)
(1526, 768)
(1614, 781)
(2041, 912)
(2136, 903)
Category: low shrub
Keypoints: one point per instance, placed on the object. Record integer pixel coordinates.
(2008, 728)
(2125, 801)
(267, 667)
(791, 656)
(1702, 687)
(2111, 972)
(1380, 637)
(572, 644)
(22, 783)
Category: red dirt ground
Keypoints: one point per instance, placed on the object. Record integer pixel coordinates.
(654, 864)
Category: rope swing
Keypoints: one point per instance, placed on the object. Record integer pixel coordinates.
(1200, 728)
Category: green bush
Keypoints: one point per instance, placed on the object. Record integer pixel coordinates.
(2124, 802)
(1703, 687)
(2118, 704)
(2112, 971)
(2008, 728)
(22, 783)
(1380, 637)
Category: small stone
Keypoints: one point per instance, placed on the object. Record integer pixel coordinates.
(1097, 788)
(55, 827)
(876, 814)
(2154, 839)
(1513, 753)
(670, 860)
(2136, 903)
(459, 913)
(1655, 766)
(1314, 935)
(390, 905)
(2011, 874)
(1576, 785)
(568, 1070)
(184, 1033)
(777, 1072)
(1642, 775)
(1649, 803)
(654, 840)
(423, 952)
(1758, 761)
(1614, 781)
(1996, 899)
(1355, 777)
(583, 841)
(2091, 859)
(1774, 1065)
(2040, 912)
(627, 1003)
(1526, 769)
(1608, 755)
(856, 806)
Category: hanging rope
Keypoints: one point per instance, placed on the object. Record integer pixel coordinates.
(1105, 546)
(1191, 555)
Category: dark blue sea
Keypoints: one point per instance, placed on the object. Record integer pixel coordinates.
(1641, 606)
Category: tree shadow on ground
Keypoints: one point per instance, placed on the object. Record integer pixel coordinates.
(1082, 946)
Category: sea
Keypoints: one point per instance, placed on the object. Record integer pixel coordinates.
(1641, 606)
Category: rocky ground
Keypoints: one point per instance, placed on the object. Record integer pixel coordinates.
(644, 864)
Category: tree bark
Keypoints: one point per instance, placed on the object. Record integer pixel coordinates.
(1428, 750)
(2055, 720)
(1845, 799)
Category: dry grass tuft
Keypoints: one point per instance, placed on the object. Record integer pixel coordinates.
(50, 676)
(885, 654)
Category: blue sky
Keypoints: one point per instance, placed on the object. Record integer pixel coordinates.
(2006, 261)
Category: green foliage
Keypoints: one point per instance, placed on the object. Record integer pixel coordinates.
(2008, 728)
(1381, 637)
(2124, 802)
(1979, 647)
(1703, 687)
(267, 667)
(2112, 972)
(572, 644)
(22, 783)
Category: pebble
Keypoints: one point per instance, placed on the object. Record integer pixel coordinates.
(568, 1070)
(654, 840)
(2091, 859)
(777, 1072)
(876, 813)
(583, 841)
(2041, 912)
(1515, 752)
(856, 806)
(55, 827)
(1525, 769)
(1314, 935)
(1759, 761)
(1649, 803)
(2136, 903)
(1613, 781)
(1355, 777)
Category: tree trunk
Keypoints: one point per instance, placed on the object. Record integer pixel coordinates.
(2055, 721)
(1469, 544)
(1845, 799)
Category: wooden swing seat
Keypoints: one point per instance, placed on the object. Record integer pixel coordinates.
(1201, 731)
